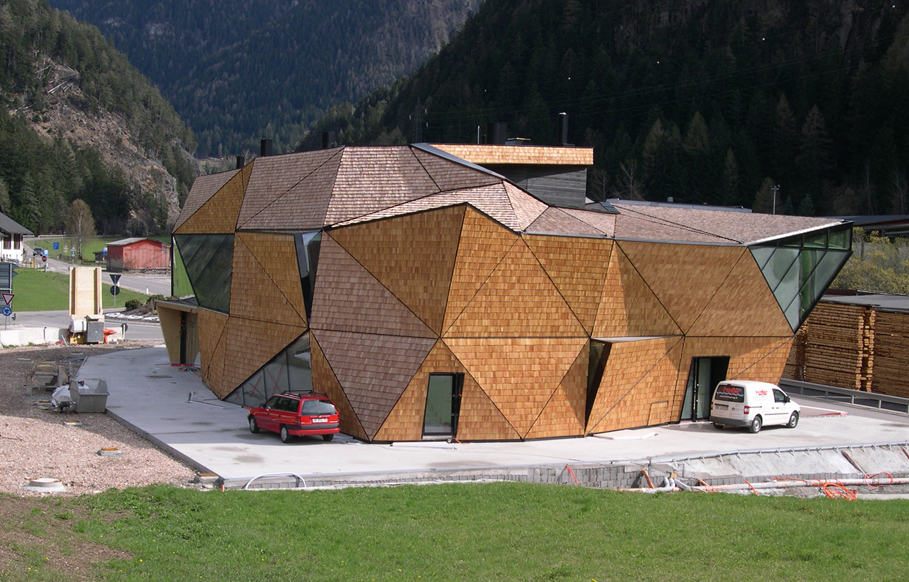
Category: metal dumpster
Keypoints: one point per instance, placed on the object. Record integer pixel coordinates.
(88, 395)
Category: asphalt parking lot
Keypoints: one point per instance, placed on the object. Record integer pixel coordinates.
(175, 410)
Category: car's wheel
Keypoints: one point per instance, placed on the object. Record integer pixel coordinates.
(717, 425)
(285, 435)
(755, 425)
(327, 437)
(793, 420)
(253, 425)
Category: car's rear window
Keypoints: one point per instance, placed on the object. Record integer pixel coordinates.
(318, 407)
(730, 393)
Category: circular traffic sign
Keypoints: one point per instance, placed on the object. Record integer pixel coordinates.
(7, 310)
(43, 259)
(115, 290)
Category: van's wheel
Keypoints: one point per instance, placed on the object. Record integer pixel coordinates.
(285, 435)
(755, 425)
(793, 420)
(327, 437)
(717, 426)
(253, 426)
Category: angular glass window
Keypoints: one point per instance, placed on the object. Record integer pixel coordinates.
(596, 365)
(308, 245)
(208, 260)
(180, 285)
(289, 371)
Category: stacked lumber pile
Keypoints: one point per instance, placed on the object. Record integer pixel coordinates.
(891, 354)
(839, 347)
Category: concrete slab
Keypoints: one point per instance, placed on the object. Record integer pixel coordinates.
(174, 409)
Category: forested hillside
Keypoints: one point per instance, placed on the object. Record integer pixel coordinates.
(237, 71)
(704, 101)
(78, 122)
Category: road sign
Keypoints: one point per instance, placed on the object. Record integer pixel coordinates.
(72, 253)
(115, 290)
(65, 247)
(115, 278)
(7, 298)
(7, 311)
(56, 246)
(43, 259)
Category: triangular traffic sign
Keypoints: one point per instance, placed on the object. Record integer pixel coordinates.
(7, 298)
(114, 278)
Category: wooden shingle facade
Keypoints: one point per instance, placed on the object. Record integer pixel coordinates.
(430, 298)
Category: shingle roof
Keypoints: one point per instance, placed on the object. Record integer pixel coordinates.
(10, 226)
(349, 185)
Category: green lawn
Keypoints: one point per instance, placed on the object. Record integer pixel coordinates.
(95, 245)
(503, 531)
(36, 290)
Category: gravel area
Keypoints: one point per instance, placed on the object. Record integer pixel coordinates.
(35, 442)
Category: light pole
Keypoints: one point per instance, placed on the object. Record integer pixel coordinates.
(775, 190)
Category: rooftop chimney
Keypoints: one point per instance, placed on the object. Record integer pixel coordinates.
(265, 148)
(329, 140)
(495, 133)
(563, 129)
(241, 161)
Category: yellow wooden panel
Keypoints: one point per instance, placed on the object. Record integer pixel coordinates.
(483, 244)
(659, 413)
(251, 344)
(219, 214)
(564, 413)
(413, 256)
(253, 293)
(637, 374)
(277, 254)
(325, 381)
(211, 345)
(743, 306)
(519, 375)
(491, 155)
(628, 308)
(683, 277)
(750, 358)
(517, 300)
(577, 266)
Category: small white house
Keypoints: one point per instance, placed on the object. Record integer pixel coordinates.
(12, 233)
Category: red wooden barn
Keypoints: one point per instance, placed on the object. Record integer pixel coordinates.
(131, 254)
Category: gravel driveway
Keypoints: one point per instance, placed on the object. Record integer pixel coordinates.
(35, 442)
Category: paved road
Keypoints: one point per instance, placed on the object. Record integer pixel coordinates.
(60, 319)
(139, 282)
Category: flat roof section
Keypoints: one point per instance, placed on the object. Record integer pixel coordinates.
(491, 155)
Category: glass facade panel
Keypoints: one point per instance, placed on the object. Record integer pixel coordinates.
(816, 240)
(788, 287)
(437, 419)
(761, 255)
(779, 266)
(841, 238)
(308, 245)
(289, 371)
(208, 259)
(180, 285)
(823, 275)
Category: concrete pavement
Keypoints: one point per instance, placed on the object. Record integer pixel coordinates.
(175, 410)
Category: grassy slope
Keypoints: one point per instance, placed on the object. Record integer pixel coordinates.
(502, 531)
(36, 290)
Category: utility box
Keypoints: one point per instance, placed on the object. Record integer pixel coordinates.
(88, 395)
(94, 333)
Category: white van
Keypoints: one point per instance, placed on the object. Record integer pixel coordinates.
(752, 404)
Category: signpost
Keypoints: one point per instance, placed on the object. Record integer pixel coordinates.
(115, 290)
(6, 310)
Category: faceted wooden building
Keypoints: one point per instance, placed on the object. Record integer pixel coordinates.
(430, 297)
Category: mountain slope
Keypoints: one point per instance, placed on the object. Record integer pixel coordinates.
(705, 101)
(79, 122)
(237, 71)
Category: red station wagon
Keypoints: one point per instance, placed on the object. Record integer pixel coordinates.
(292, 415)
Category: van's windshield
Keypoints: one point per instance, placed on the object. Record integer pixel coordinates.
(730, 393)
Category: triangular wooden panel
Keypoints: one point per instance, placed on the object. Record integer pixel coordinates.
(480, 419)
(526, 208)
(219, 214)
(743, 306)
(277, 254)
(564, 413)
(519, 375)
(251, 344)
(302, 207)
(254, 294)
(628, 308)
(204, 187)
(637, 374)
(765, 363)
(273, 176)
(449, 175)
(211, 346)
(215, 374)
(517, 300)
(349, 298)
(483, 245)
(373, 178)
(683, 277)
(325, 381)
(577, 266)
(413, 256)
(557, 221)
(373, 370)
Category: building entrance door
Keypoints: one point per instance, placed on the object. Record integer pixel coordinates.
(705, 374)
(443, 405)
